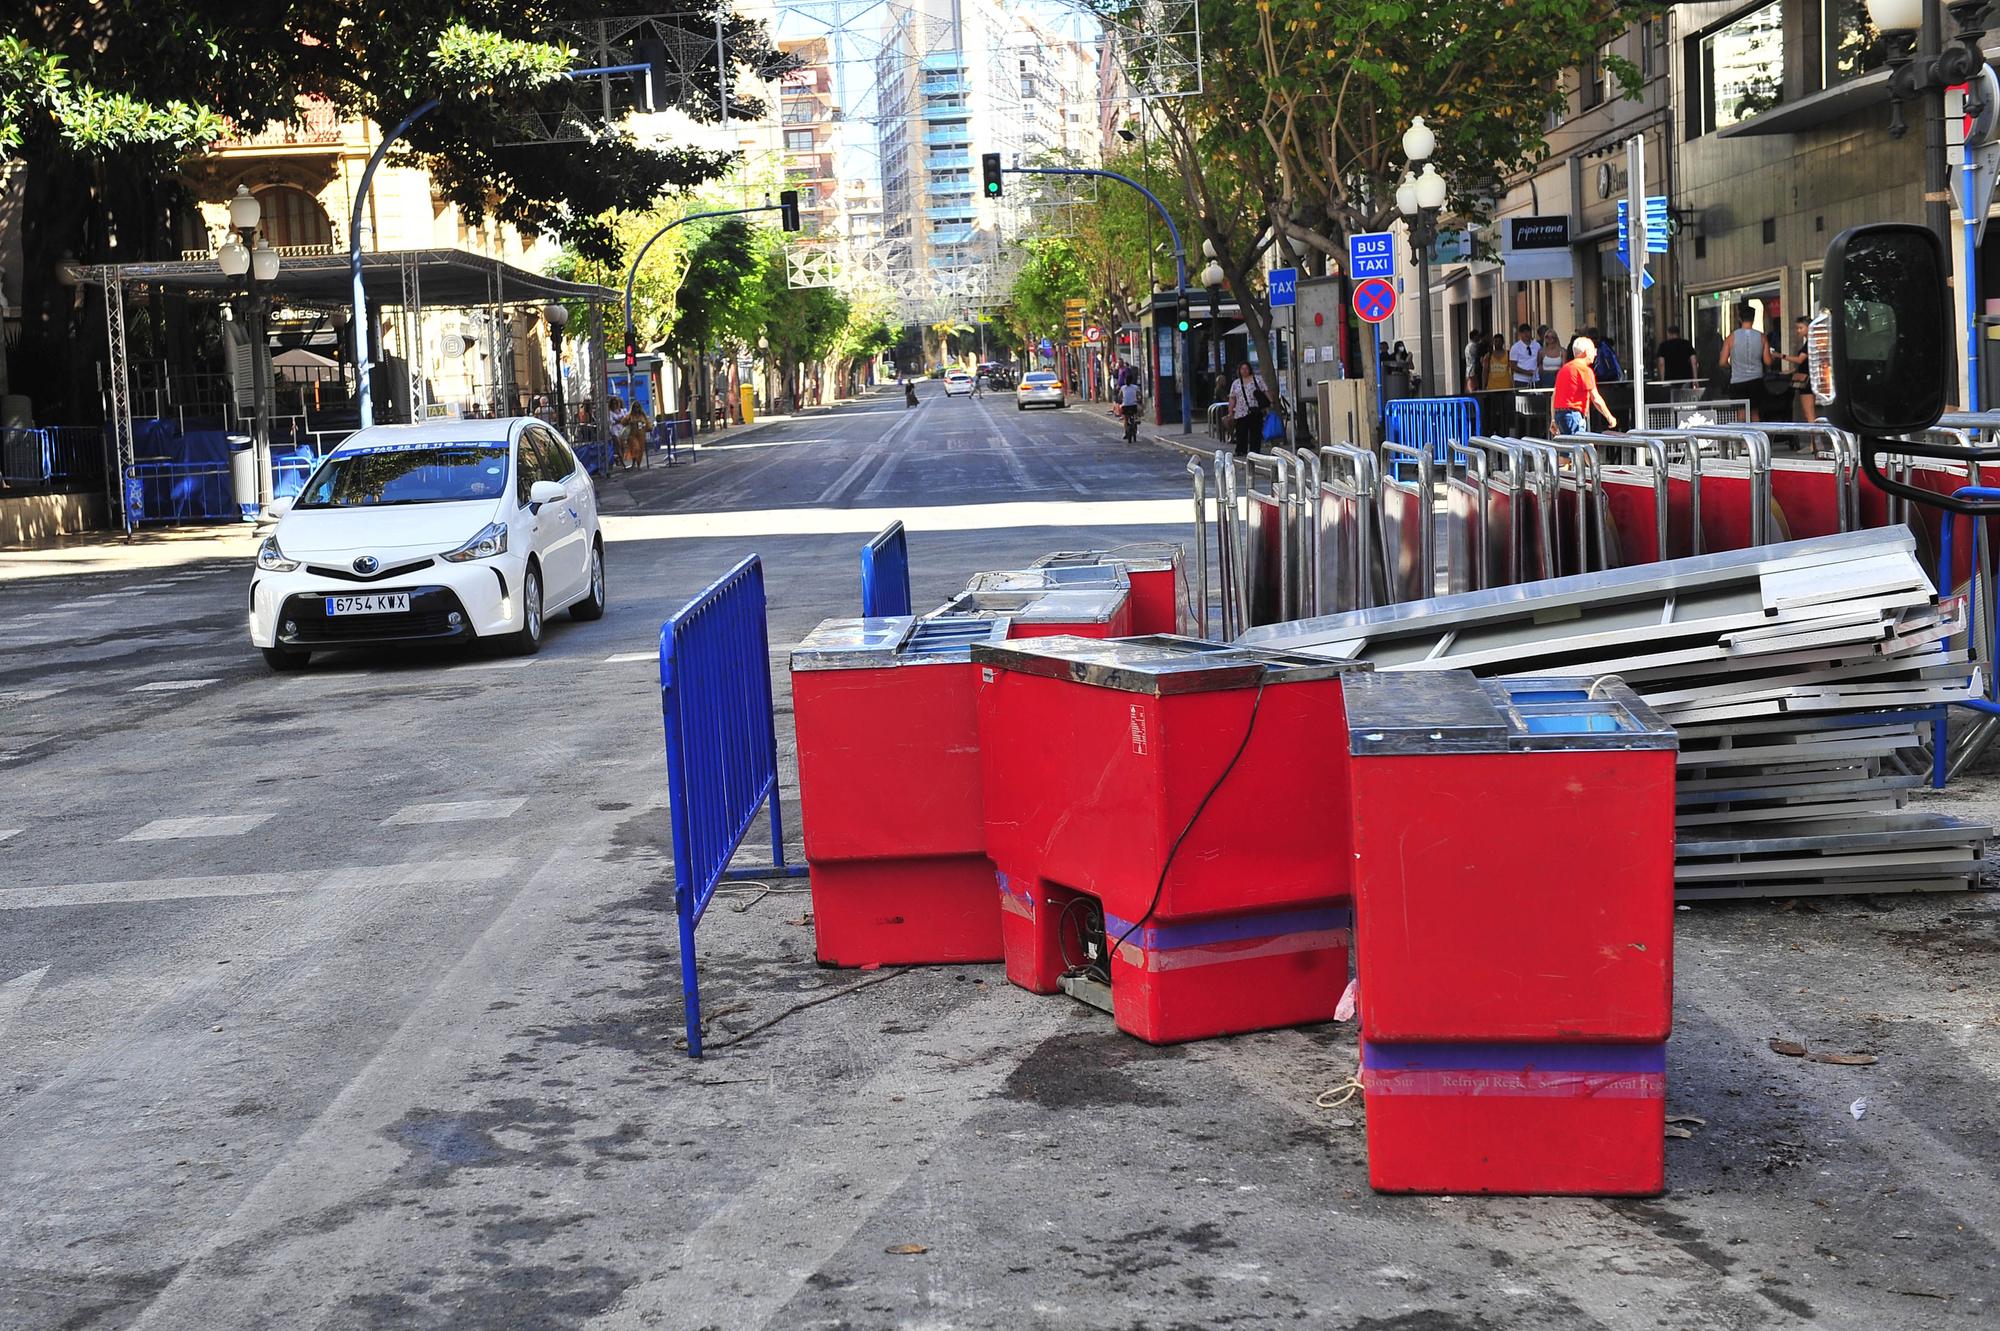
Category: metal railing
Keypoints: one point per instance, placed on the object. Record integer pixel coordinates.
(1436, 424)
(51, 456)
(885, 573)
(722, 750)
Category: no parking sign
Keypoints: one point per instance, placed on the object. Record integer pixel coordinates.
(1374, 300)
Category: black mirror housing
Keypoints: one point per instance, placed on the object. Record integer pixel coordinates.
(1891, 347)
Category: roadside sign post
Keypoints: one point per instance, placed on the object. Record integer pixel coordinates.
(1371, 262)
(1284, 288)
(1653, 211)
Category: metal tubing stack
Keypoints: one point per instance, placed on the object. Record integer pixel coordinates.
(1799, 677)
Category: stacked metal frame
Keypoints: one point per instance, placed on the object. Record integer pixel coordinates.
(1799, 676)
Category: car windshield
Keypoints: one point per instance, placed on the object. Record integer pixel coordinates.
(427, 473)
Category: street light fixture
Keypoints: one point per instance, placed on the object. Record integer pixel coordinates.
(246, 257)
(556, 315)
(1899, 22)
(1418, 199)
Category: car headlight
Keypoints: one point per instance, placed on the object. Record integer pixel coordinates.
(487, 542)
(271, 559)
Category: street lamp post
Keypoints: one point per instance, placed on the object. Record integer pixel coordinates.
(556, 315)
(1213, 277)
(248, 257)
(1418, 199)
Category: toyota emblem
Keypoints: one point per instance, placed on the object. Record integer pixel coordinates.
(366, 564)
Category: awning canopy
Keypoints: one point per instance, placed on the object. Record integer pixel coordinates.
(445, 278)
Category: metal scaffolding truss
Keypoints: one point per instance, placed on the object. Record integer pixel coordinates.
(1160, 41)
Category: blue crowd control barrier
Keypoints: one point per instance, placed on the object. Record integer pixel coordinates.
(885, 573)
(1989, 704)
(722, 750)
(179, 492)
(1437, 424)
(594, 454)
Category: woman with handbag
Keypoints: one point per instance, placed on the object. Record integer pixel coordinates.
(1247, 405)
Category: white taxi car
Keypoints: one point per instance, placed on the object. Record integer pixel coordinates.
(1040, 388)
(448, 530)
(957, 384)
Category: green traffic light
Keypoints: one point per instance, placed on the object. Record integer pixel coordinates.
(1182, 325)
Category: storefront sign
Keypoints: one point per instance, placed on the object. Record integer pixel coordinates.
(1537, 249)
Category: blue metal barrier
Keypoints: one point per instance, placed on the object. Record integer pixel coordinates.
(1990, 704)
(1437, 424)
(722, 750)
(179, 492)
(667, 439)
(885, 573)
(594, 454)
(46, 454)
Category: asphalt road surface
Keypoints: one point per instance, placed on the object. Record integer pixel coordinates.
(350, 999)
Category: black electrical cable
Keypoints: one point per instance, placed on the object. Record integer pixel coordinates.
(1256, 704)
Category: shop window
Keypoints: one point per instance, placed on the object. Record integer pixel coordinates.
(1742, 67)
(1852, 46)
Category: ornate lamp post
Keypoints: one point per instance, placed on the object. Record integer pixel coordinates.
(556, 315)
(248, 258)
(1418, 199)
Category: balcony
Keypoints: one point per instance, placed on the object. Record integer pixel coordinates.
(949, 162)
(951, 235)
(317, 124)
(940, 62)
(960, 137)
(947, 113)
(938, 87)
(958, 212)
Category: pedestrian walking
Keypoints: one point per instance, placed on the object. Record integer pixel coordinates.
(1247, 405)
(1576, 392)
(1473, 377)
(1609, 368)
(1747, 356)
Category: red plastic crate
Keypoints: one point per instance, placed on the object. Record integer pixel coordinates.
(1587, 1119)
(1095, 758)
(889, 784)
(1514, 852)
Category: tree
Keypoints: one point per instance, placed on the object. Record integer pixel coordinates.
(802, 325)
(1296, 139)
(100, 99)
(1036, 303)
(721, 302)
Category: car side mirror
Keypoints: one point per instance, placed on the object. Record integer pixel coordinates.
(277, 508)
(1888, 349)
(546, 492)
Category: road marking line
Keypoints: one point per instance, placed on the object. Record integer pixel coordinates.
(515, 664)
(173, 685)
(455, 811)
(631, 656)
(115, 596)
(9, 832)
(140, 890)
(13, 696)
(174, 829)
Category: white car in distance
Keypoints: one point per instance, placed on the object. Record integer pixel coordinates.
(439, 532)
(957, 384)
(1040, 388)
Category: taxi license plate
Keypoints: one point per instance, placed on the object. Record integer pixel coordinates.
(381, 603)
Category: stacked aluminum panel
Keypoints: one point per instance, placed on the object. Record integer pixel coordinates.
(1800, 678)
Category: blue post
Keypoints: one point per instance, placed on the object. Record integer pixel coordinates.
(1381, 396)
(1969, 216)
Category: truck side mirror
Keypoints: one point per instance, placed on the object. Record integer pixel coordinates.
(1889, 348)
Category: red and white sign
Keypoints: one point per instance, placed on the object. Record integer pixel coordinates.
(1093, 334)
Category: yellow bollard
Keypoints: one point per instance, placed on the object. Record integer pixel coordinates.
(749, 395)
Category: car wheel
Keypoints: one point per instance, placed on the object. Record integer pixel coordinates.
(1020, 406)
(592, 606)
(284, 659)
(527, 640)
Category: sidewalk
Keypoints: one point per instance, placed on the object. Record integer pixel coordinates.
(110, 552)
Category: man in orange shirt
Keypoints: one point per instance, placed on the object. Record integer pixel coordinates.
(1576, 392)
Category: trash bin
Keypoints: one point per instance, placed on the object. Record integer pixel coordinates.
(748, 396)
(1514, 877)
(1159, 587)
(1083, 612)
(1167, 818)
(889, 783)
(243, 474)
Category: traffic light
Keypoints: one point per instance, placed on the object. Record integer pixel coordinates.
(788, 209)
(1181, 317)
(631, 347)
(653, 87)
(989, 171)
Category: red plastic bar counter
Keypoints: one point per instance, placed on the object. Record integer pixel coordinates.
(1514, 852)
(888, 745)
(1159, 586)
(1192, 792)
